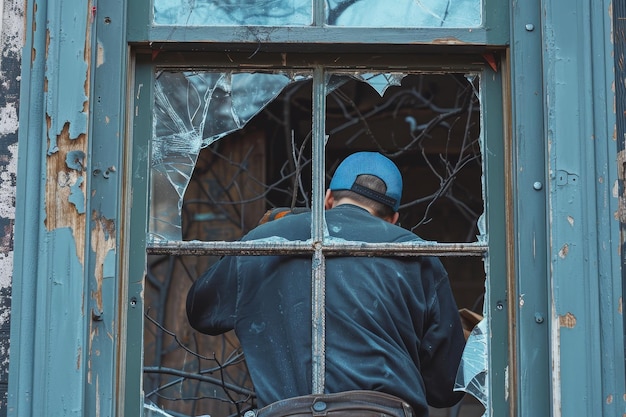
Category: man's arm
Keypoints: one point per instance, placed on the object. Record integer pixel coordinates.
(442, 348)
(212, 299)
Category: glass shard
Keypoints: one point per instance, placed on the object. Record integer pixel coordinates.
(472, 375)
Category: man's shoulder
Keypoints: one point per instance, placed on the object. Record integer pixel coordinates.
(294, 226)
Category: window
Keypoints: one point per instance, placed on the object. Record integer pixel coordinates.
(222, 134)
(363, 13)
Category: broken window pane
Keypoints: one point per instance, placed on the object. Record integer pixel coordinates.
(233, 12)
(193, 110)
(404, 13)
(429, 124)
(472, 374)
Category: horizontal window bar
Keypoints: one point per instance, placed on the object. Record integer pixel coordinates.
(196, 248)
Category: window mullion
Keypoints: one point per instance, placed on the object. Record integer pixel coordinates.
(318, 317)
(318, 12)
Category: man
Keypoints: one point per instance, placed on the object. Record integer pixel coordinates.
(392, 324)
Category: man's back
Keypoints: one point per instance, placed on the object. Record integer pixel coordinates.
(391, 323)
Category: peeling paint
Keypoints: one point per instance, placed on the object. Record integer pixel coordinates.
(75, 160)
(570, 220)
(77, 196)
(67, 73)
(8, 172)
(564, 251)
(100, 55)
(102, 242)
(11, 44)
(65, 196)
(568, 320)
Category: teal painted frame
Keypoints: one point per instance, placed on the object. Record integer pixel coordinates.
(497, 300)
(28, 230)
(137, 191)
(529, 289)
(493, 32)
(496, 181)
(619, 31)
(585, 282)
(65, 313)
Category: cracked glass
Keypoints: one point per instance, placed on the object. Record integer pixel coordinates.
(192, 110)
(227, 146)
(355, 13)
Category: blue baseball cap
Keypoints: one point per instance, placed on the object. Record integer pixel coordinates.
(369, 163)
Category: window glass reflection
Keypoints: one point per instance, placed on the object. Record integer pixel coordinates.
(404, 13)
(233, 12)
(356, 13)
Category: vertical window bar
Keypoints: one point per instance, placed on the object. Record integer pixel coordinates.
(318, 12)
(317, 233)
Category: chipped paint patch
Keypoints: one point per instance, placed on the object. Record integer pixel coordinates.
(8, 172)
(65, 194)
(564, 251)
(570, 220)
(75, 160)
(568, 320)
(8, 118)
(102, 242)
(11, 44)
(100, 55)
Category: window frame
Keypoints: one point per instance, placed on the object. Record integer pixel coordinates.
(495, 180)
(494, 31)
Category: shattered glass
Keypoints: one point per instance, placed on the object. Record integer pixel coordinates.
(151, 410)
(355, 13)
(472, 376)
(194, 109)
(228, 146)
(378, 81)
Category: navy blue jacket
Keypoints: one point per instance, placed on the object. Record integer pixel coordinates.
(392, 324)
